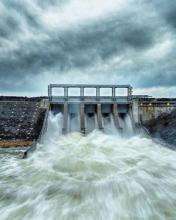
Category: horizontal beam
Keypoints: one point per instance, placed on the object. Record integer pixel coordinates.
(88, 86)
(91, 100)
(91, 97)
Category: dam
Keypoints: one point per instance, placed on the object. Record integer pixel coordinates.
(83, 108)
(88, 106)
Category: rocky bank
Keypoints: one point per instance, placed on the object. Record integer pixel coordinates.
(163, 128)
(21, 122)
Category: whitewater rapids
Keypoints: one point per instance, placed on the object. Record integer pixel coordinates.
(95, 177)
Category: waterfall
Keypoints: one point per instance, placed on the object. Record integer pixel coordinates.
(109, 126)
(55, 124)
(74, 123)
(90, 122)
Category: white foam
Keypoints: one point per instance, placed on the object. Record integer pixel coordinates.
(97, 176)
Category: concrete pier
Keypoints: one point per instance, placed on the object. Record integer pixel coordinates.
(99, 117)
(82, 119)
(65, 118)
(116, 116)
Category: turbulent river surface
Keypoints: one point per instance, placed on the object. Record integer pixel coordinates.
(100, 176)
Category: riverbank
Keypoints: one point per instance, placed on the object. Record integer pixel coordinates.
(163, 128)
(21, 121)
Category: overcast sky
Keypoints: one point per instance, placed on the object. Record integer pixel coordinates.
(91, 41)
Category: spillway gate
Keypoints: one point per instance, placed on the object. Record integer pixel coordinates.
(87, 105)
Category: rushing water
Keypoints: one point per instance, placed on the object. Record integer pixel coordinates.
(94, 177)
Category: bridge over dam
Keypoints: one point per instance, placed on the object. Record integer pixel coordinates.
(94, 104)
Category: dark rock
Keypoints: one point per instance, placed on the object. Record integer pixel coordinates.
(23, 123)
(164, 128)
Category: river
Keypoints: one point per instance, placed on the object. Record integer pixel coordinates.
(99, 176)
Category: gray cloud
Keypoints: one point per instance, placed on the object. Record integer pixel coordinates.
(67, 49)
(30, 48)
(167, 11)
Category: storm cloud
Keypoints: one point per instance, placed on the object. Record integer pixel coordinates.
(128, 41)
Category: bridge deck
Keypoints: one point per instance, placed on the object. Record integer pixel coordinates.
(83, 98)
(90, 100)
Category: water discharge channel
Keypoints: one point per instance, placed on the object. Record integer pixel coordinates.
(98, 176)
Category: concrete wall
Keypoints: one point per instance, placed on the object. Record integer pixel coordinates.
(151, 112)
(148, 111)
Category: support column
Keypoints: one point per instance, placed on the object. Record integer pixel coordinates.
(49, 93)
(65, 119)
(116, 116)
(82, 93)
(82, 118)
(131, 114)
(66, 93)
(130, 91)
(99, 117)
(113, 93)
(97, 93)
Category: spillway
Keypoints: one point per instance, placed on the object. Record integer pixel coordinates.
(98, 176)
(86, 118)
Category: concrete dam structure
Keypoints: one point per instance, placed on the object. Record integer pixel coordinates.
(88, 110)
(88, 106)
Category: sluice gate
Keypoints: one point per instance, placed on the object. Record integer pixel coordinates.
(88, 107)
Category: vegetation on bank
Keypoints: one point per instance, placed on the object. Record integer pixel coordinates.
(14, 143)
